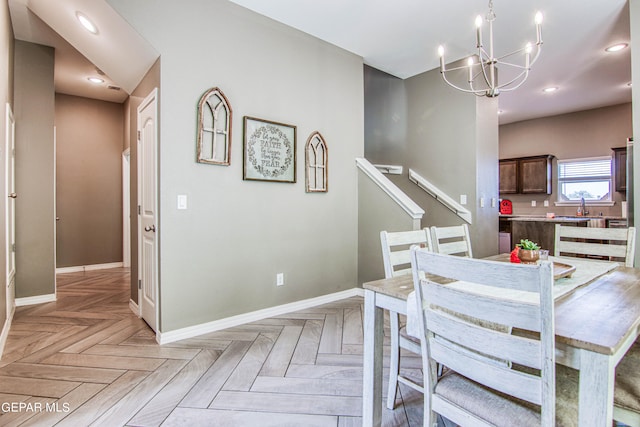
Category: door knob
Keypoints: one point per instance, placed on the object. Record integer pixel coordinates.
(13, 195)
(152, 228)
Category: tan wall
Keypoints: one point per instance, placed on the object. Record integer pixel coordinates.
(590, 133)
(35, 177)
(88, 181)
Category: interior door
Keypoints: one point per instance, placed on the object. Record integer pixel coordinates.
(147, 209)
(10, 213)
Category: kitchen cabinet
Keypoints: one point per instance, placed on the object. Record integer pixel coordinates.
(508, 176)
(620, 168)
(526, 175)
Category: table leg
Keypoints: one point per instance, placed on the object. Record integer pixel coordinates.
(597, 378)
(372, 363)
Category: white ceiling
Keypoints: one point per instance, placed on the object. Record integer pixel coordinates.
(117, 54)
(399, 37)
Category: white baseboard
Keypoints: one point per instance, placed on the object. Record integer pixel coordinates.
(134, 307)
(5, 334)
(217, 325)
(88, 267)
(38, 299)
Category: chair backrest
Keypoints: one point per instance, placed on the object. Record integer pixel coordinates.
(458, 322)
(616, 244)
(452, 240)
(395, 249)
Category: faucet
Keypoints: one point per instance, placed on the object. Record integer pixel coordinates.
(582, 210)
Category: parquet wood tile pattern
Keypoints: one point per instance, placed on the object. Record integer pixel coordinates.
(87, 360)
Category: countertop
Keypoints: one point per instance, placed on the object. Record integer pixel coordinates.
(559, 218)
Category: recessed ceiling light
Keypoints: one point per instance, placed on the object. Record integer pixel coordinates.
(617, 47)
(95, 80)
(86, 23)
(550, 89)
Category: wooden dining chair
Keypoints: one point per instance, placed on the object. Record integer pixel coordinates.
(626, 396)
(478, 388)
(397, 261)
(615, 244)
(452, 240)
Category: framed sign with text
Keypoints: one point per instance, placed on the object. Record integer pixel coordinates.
(269, 151)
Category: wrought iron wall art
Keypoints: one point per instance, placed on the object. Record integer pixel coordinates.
(214, 128)
(316, 159)
(269, 151)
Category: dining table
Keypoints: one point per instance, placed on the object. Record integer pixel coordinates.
(595, 324)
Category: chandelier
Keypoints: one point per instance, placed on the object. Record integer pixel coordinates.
(483, 75)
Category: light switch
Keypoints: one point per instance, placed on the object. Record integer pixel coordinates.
(182, 201)
(482, 202)
(463, 199)
(533, 203)
(546, 203)
(493, 202)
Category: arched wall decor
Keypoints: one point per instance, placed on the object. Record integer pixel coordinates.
(214, 128)
(316, 162)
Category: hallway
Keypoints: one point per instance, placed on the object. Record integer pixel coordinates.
(88, 360)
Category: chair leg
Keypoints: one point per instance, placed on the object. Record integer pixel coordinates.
(394, 360)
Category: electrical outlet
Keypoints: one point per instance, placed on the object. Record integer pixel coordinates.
(546, 203)
(279, 279)
(493, 202)
(482, 202)
(533, 203)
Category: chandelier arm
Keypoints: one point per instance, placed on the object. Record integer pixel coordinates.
(461, 67)
(538, 50)
(509, 64)
(504, 87)
(456, 87)
(535, 58)
(484, 75)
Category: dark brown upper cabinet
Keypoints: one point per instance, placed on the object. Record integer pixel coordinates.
(526, 175)
(620, 168)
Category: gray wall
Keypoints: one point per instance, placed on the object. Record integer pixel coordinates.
(150, 81)
(220, 257)
(376, 212)
(590, 133)
(89, 140)
(448, 137)
(35, 177)
(6, 96)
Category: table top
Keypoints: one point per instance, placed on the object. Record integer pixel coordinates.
(598, 316)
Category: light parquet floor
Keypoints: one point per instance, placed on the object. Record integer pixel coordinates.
(86, 359)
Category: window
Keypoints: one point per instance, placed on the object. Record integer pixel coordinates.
(585, 178)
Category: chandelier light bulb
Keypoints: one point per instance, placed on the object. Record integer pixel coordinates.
(440, 51)
(538, 18)
(478, 21)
